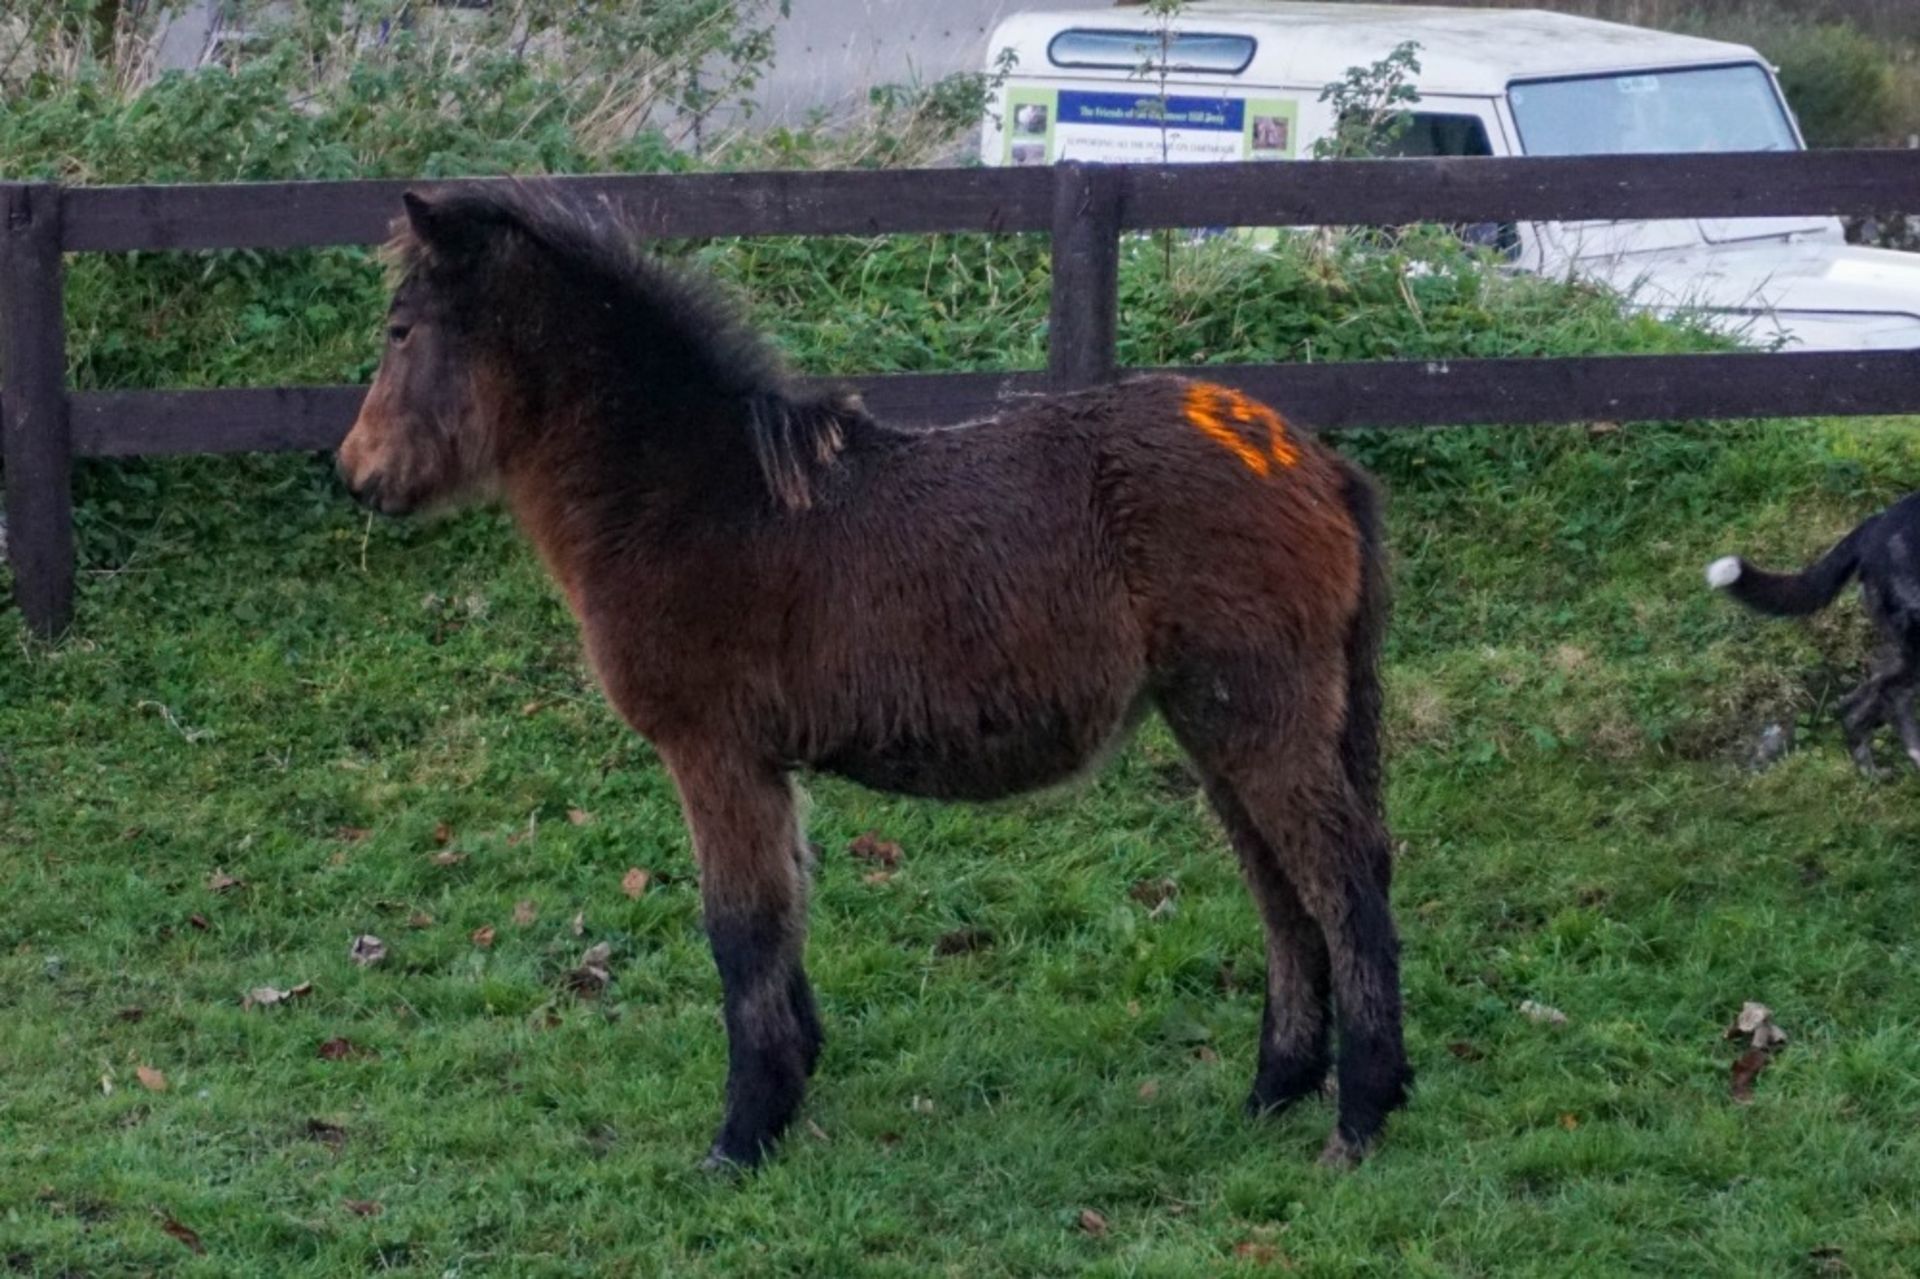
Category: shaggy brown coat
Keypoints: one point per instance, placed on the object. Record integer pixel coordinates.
(768, 580)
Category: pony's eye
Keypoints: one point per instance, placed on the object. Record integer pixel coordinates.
(397, 333)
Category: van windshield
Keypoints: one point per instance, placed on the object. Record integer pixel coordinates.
(1733, 108)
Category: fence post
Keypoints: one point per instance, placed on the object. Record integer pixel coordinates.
(34, 431)
(1086, 275)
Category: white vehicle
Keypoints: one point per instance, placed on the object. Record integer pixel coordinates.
(1243, 82)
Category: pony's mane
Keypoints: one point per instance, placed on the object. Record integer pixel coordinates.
(682, 322)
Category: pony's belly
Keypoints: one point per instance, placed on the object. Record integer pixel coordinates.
(979, 767)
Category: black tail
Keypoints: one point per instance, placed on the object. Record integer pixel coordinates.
(1792, 594)
(1360, 740)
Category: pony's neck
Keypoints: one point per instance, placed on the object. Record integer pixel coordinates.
(597, 471)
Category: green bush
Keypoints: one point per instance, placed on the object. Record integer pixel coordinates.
(1842, 83)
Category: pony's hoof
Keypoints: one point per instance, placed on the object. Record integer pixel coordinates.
(1267, 1103)
(1341, 1153)
(1259, 1107)
(719, 1163)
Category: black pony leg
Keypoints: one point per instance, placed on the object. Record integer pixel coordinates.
(753, 891)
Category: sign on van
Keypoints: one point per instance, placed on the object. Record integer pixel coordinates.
(1143, 128)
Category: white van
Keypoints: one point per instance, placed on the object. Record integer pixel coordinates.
(1243, 82)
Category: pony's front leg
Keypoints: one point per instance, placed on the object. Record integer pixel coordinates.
(753, 891)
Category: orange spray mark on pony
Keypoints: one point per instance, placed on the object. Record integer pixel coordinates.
(1210, 407)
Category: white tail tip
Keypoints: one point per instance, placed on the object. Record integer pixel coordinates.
(1723, 572)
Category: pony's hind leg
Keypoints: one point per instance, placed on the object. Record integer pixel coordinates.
(1294, 1055)
(1265, 733)
(753, 894)
(1336, 856)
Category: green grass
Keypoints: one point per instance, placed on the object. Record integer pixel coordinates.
(256, 667)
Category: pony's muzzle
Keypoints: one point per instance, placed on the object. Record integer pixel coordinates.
(371, 490)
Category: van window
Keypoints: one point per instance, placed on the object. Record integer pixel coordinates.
(1140, 50)
(1431, 135)
(1731, 108)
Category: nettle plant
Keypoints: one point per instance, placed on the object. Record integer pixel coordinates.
(1371, 106)
(372, 87)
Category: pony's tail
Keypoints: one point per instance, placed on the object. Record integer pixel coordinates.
(1791, 594)
(1360, 739)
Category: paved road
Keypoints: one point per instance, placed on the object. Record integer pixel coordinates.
(828, 53)
(831, 51)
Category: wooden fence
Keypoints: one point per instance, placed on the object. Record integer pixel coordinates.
(44, 425)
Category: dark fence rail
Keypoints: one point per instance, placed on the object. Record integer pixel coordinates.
(1084, 208)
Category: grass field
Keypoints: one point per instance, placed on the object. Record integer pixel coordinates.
(1034, 1067)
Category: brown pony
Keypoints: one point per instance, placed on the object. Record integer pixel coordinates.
(768, 580)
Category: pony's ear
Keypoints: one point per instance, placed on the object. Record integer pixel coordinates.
(453, 227)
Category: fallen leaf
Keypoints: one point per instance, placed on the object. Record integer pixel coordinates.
(1154, 893)
(532, 708)
(875, 878)
(443, 834)
(1829, 1260)
(579, 816)
(1133, 1008)
(818, 1133)
(921, 1105)
(962, 941)
(524, 913)
(106, 1085)
(341, 1048)
(1259, 1254)
(592, 976)
(634, 882)
(420, 919)
(1755, 1023)
(1569, 1122)
(130, 1014)
(362, 1207)
(150, 1079)
(520, 837)
(870, 847)
(1746, 1070)
(352, 834)
(184, 1234)
(1542, 1013)
(221, 882)
(482, 936)
(1465, 1051)
(1092, 1222)
(332, 1136)
(1149, 1090)
(367, 950)
(199, 922)
(1206, 1053)
(269, 995)
(580, 924)
(450, 857)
